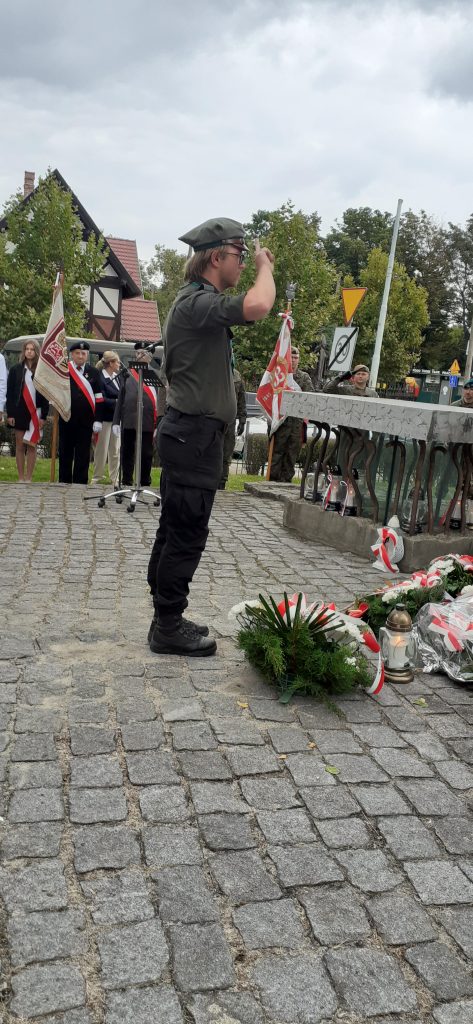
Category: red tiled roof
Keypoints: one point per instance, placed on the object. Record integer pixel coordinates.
(126, 251)
(140, 320)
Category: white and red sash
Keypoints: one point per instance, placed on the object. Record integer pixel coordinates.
(151, 393)
(33, 434)
(85, 386)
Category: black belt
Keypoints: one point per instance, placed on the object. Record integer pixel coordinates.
(209, 422)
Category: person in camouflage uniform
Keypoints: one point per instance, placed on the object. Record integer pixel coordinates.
(358, 386)
(289, 437)
(466, 400)
(229, 439)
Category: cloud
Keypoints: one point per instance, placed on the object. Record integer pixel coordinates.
(161, 115)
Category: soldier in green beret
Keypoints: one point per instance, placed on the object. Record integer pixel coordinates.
(201, 402)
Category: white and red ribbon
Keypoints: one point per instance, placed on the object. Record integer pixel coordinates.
(151, 393)
(388, 549)
(372, 644)
(84, 385)
(33, 434)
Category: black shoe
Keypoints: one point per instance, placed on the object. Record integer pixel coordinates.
(183, 639)
(203, 630)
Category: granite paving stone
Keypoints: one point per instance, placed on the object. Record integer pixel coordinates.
(265, 925)
(463, 749)
(39, 720)
(148, 1005)
(47, 988)
(151, 768)
(94, 805)
(356, 711)
(184, 895)
(87, 711)
(370, 982)
(287, 739)
(46, 936)
(294, 989)
(201, 957)
(431, 797)
(142, 735)
(450, 726)
(36, 805)
(427, 745)
(99, 770)
(204, 764)
(104, 846)
(398, 763)
(69, 1017)
(445, 974)
(252, 760)
(132, 955)
(458, 922)
(166, 845)
(344, 832)
(164, 804)
(193, 736)
(210, 797)
(333, 803)
(242, 876)
(454, 1013)
(335, 741)
(408, 837)
(456, 774)
(287, 826)
(309, 864)
(405, 720)
(34, 887)
(317, 716)
(400, 919)
(335, 915)
(369, 870)
(378, 736)
(237, 730)
(182, 711)
(90, 739)
(34, 747)
(439, 882)
(234, 1007)
(308, 770)
(140, 709)
(269, 794)
(380, 800)
(38, 839)
(226, 831)
(271, 711)
(118, 899)
(358, 768)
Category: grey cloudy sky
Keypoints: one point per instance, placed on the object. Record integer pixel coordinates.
(160, 115)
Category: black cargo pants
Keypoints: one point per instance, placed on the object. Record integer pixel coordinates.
(191, 455)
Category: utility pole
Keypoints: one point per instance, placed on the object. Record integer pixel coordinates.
(469, 354)
(384, 304)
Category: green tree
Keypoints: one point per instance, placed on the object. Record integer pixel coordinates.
(43, 234)
(423, 248)
(460, 250)
(406, 318)
(162, 277)
(294, 239)
(350, 242)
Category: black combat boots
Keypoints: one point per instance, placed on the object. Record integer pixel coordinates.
(176, 636)
(203, 630)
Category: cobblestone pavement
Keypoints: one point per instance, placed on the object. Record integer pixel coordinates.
(173, 850)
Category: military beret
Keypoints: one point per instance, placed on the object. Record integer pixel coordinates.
(360, 367)
(83, 345)
(468, 383)
(212, 233)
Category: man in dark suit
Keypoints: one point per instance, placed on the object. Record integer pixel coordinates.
(75, 436)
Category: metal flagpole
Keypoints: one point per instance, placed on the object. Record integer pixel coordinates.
(52, 471)
(384, 304)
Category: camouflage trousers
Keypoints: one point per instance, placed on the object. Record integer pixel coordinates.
(287, 445)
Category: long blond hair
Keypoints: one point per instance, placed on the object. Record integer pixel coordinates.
(106, 359)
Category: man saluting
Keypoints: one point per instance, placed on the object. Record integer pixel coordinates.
(201, 402)
(75, 436)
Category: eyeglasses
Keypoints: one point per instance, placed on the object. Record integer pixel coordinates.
(241, 255)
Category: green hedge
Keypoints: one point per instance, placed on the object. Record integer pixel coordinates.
(256, 453)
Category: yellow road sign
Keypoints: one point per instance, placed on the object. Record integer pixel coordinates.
(351, 298)
(455, 367)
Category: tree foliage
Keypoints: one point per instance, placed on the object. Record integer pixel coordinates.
(294, 239)
(43, 234)
(407, 316)
(460, 251)
(162, 277)
(350, 242)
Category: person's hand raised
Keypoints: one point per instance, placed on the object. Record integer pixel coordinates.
(263, 257)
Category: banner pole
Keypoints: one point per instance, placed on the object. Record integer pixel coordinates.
(52, 471)
(270, 457)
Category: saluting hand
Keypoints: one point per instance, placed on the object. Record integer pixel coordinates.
(263, 257)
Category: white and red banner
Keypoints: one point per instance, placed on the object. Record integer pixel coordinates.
(33, 434)
(51, 377)
(278, 376)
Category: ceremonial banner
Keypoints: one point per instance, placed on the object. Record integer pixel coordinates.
(278, 376)
(51, 378)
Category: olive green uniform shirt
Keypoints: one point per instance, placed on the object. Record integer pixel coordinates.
(460, 404)
(350, 390)
(303, 380)
(198, 351)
